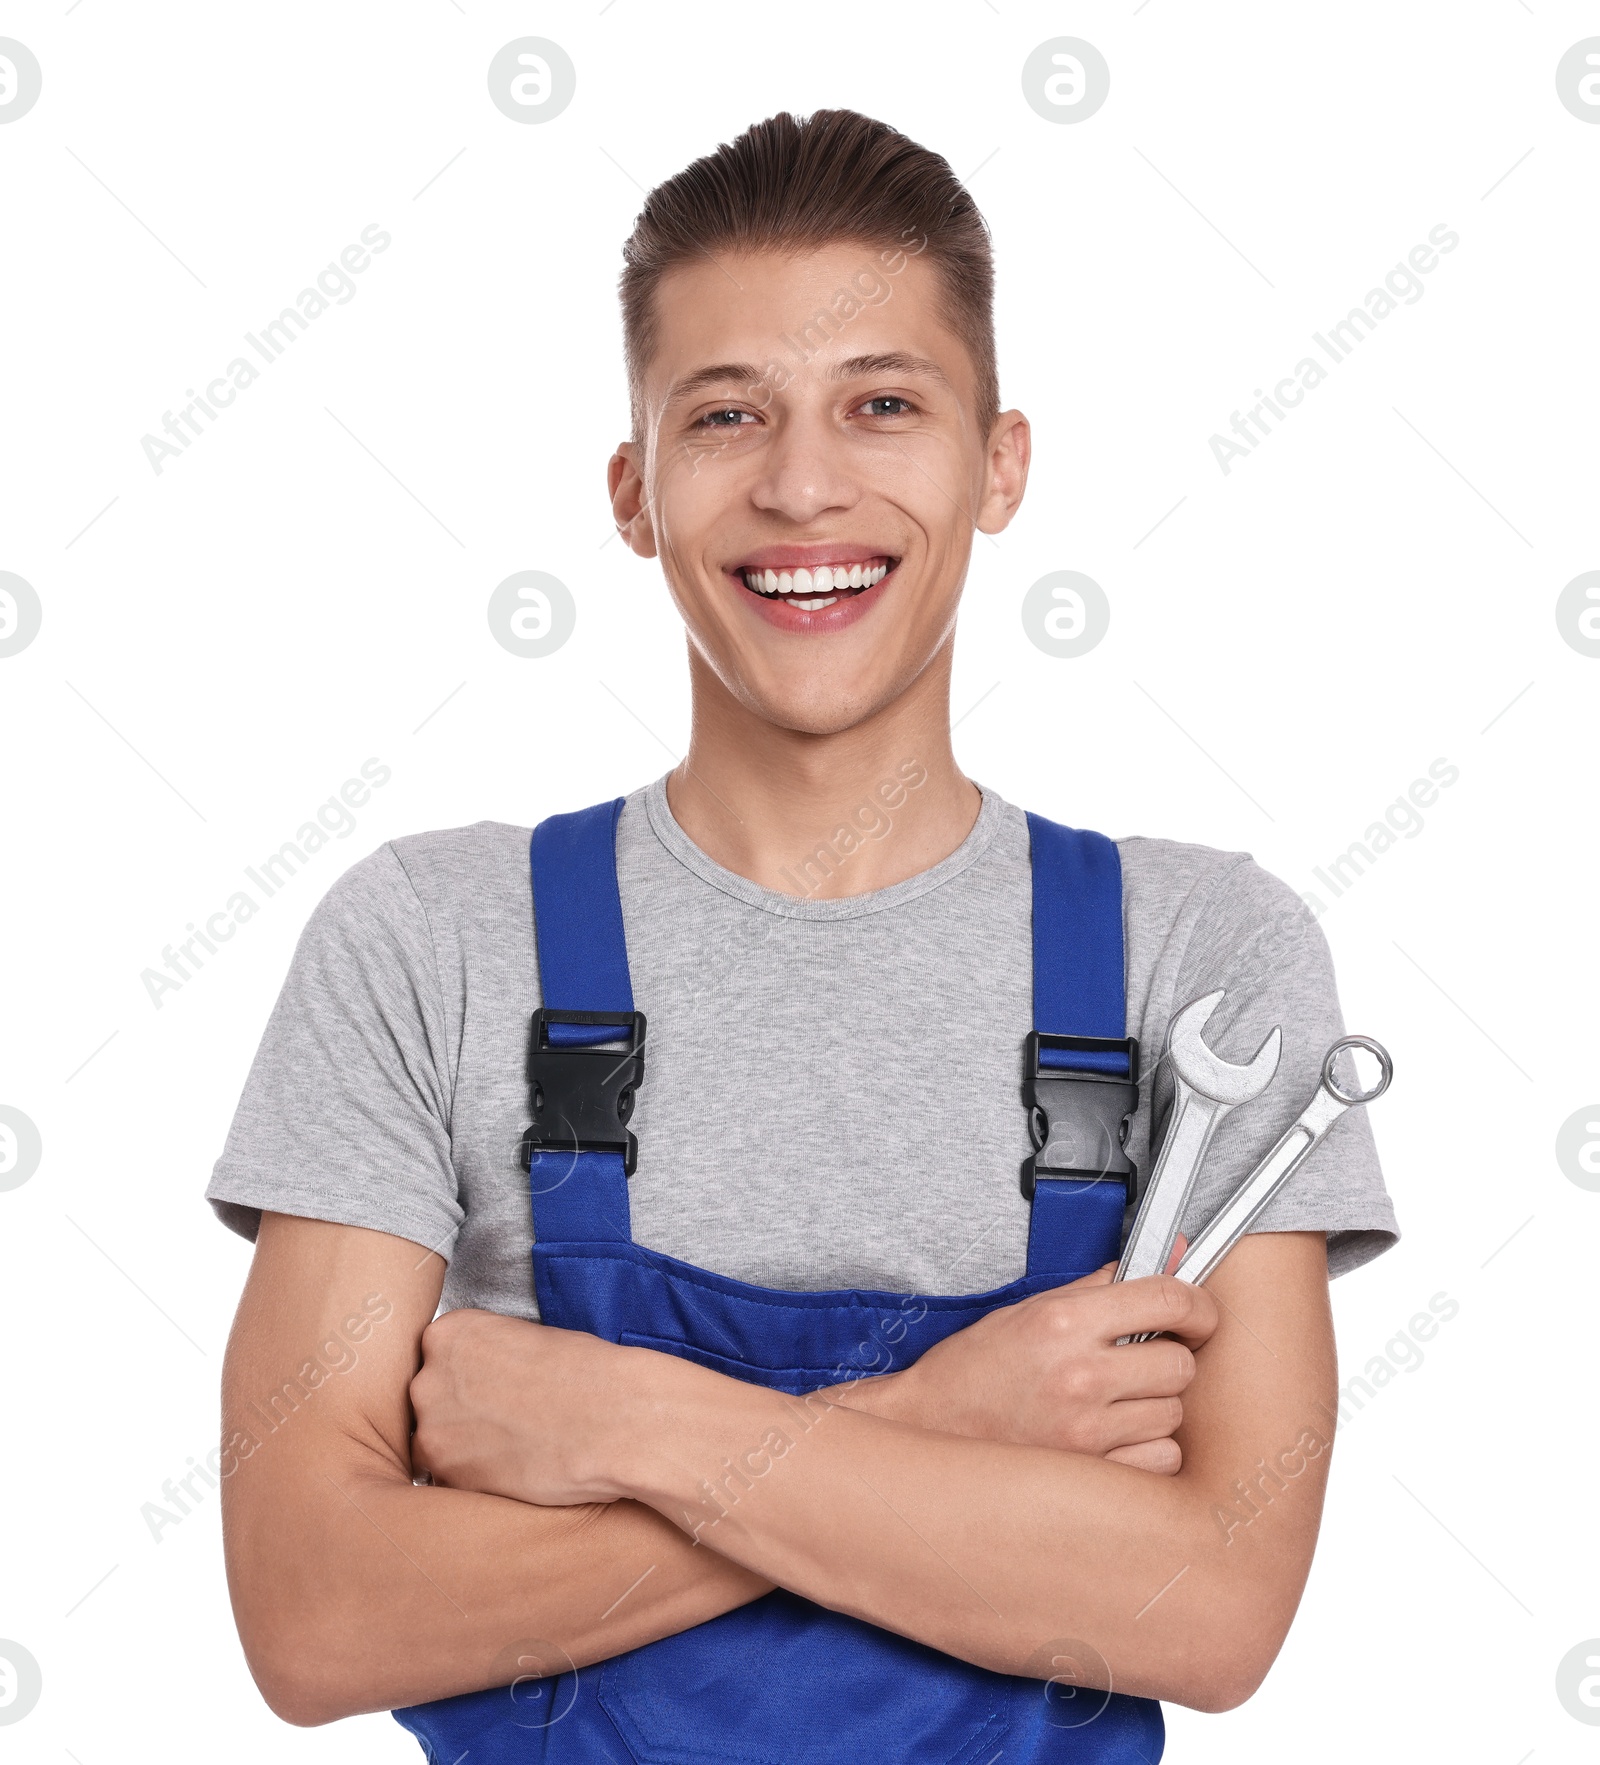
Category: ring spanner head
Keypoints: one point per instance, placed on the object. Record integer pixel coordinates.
(1203, 1071)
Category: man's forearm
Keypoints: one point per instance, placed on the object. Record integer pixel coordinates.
(384, 1595)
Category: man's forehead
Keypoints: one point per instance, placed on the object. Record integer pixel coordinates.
(835, 313)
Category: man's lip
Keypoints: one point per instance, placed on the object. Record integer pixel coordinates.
(807, 557)
(843, 611)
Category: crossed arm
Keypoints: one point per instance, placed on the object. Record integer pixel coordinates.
(1025, 1481)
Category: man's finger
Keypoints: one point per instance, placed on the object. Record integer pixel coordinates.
(1158, 1369)
(1164, 1457)
(1140, 1422)
(1157, 1302)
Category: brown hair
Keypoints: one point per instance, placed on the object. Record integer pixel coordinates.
(795, 182)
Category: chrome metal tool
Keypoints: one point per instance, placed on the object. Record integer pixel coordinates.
(1326, 1106)
(1207, 1088)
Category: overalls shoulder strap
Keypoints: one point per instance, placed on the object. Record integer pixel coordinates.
(580, 1156)
(1081, 1072)
(583, 955)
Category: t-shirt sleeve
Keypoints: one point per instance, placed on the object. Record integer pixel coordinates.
(1258, 940)
(345, 1112)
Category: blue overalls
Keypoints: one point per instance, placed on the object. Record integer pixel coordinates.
(782, 1681)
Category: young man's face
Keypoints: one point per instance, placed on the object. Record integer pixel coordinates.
(814, 413)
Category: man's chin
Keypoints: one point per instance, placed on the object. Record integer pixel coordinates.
(826, 695)
(828, 708)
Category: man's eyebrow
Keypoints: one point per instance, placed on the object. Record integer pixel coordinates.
(894, 362)
(718, 374)
(748, 377)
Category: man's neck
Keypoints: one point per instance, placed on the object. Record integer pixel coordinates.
(824, 815)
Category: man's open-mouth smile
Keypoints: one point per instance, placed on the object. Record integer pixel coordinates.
(811, 580)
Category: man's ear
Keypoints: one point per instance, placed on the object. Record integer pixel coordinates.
(629, 504)
(1010, 450)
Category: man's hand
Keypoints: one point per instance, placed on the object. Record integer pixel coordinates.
(511, 1408)
(1048, 1372)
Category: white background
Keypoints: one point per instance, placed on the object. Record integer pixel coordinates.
(1294, 644)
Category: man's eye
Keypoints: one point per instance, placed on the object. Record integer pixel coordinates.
(875, 407)
(731, 418)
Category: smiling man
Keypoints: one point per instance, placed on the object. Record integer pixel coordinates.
(776, 1408)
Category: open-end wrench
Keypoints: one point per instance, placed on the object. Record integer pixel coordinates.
(1206, 1089)
(1329, 1103)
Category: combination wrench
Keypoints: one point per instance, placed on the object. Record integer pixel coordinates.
(1330, 1101)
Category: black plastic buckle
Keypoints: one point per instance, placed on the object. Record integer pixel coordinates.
(583, 1097)
(1079, 1121)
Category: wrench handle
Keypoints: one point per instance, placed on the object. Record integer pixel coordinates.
(1156, 1224)
(1242, 1207)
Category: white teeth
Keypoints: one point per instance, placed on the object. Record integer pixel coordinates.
(813, 606)
(826, 579)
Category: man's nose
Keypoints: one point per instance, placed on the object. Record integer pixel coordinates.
(806, 470)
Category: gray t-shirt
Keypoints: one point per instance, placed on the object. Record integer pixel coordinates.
(832, 1089)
